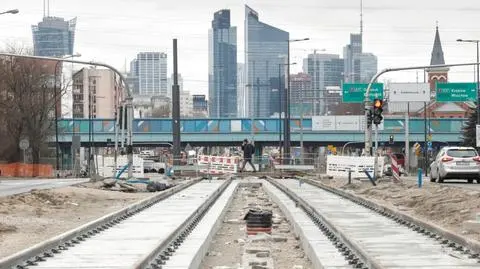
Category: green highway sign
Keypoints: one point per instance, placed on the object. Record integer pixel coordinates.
(355, 92)
(456, 92)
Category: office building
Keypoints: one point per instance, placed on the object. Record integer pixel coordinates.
(368, 67)
(325, 70)
(186, 104)
(222, 78)
(200, 105)
(301, 94)
(54, 37)
(266, 48)
(351, 53)
(95, 92)
(241, 101)
(148, 72)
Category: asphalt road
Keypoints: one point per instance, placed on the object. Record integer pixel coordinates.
(11, 187)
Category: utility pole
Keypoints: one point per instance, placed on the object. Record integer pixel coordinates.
(315, 82)
(286, 109)
(407, 139)
(175, 109)
(280, 109)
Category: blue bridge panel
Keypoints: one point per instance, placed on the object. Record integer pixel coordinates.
(206, 130)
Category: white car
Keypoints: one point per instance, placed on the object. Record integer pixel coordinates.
(456, 163)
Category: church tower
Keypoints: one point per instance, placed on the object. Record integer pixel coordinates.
(437, 74)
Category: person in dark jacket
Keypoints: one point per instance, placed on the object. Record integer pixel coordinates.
(248, 151)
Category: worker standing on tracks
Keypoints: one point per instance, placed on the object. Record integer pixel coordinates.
(248, 151)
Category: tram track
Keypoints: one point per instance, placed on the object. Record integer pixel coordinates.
(369, 237)
(139, 236)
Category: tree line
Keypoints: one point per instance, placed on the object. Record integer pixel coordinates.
(27, 104)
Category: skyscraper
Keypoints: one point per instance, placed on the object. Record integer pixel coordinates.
(358, 66)
(222, 78)
(54, 37)
(326, 70)
(150, 69)
(351, 55)
(266, 48)
(241, 105)
(368, 67)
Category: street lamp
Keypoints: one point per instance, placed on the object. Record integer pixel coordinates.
(57, 162)
(12, 11)
(280, 106)
(476, 41)
(286, 136)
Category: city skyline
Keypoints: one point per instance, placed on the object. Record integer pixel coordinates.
(395, 40)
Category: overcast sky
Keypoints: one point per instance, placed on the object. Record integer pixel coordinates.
(400, 33)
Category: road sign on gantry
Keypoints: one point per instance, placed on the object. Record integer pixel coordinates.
(456, 92)
(355, 92)
(408, 92)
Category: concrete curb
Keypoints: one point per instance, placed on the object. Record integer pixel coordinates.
(112, 218)
(148, 258)
(307, 247)
(202, 251)
(370, 262)
(449, 235)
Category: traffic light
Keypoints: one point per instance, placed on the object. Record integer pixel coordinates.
(369, 118)
(377, 111)
(391, 139)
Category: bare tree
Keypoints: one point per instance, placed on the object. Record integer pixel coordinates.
(161, 112)
(27, 104)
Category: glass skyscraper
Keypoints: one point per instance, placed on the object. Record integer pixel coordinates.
(266, 49)
(54, 37)
(222, 69)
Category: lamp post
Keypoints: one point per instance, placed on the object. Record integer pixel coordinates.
(12, 11)
(286, 125)
(56, 108)
(476, 41)
(280, 106)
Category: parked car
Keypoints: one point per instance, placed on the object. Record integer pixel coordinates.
(456, 163)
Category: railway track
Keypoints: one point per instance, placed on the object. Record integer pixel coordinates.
(144, 235)
(366, 238)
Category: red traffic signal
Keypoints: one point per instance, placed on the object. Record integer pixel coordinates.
(377, 111)
(378, 103)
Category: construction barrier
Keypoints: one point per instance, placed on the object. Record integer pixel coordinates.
(218, 164)
(26, 170)
(395, 169)
(106, 166)
(339, 166)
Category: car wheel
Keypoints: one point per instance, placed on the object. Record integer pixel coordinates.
(470, 181)
(440, 179)
(432, 179)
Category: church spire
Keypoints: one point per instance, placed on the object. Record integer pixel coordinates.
(437, 52)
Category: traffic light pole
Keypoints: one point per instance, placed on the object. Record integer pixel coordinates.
(375, 162)
(368, 105)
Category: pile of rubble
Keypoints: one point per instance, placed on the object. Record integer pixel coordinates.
(123, 186)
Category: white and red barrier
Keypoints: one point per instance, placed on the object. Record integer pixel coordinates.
(395, 170)
(218, 164)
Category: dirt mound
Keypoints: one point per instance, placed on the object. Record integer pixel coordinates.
(35, 198)
(4, 228)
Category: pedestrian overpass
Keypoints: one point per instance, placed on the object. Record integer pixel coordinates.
(266, 131)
